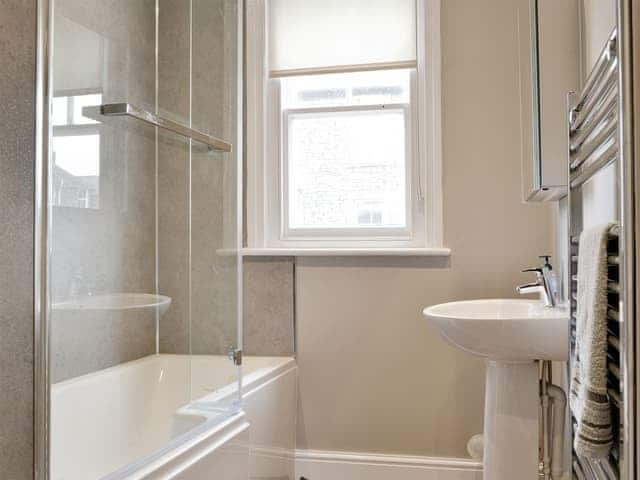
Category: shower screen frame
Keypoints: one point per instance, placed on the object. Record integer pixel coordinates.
(42, 230)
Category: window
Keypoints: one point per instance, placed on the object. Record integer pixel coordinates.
(76, 152)
(337, 181)
(342, 129)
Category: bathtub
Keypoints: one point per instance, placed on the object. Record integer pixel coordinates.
(143, 418)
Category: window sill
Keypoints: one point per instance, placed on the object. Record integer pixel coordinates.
(347, 252)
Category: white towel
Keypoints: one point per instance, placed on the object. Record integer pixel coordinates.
(589, 400)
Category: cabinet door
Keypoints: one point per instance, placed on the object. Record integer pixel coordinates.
(550, 61)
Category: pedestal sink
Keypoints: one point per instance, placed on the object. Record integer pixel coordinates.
(511, 334)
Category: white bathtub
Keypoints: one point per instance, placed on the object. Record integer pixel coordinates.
(137, 419)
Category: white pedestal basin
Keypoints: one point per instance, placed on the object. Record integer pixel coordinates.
(511, 334)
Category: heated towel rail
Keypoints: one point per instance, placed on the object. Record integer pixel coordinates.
(594, 143)
(609, 469)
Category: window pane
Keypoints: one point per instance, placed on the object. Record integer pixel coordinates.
(346, 169)
(76, 171)
(59, 111)
(341, 89)
(68, 110)
(81, 101)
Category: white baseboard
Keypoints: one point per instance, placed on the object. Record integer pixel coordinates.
(320, 465)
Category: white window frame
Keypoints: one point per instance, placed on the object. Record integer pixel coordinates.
(358, 234)
(265, 186)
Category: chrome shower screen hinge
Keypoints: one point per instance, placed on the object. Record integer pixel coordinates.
(235, 355)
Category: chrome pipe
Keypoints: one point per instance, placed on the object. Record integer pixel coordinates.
(588, 148)
(592, 101)
(587, 468)
(615, 398)
(607, 55)
(628, 138)
(608, 108)
(545, 407)
(577, 471)
(573, 219)
(571, 270)
(607, 470)
(613, 315)
(578, 177)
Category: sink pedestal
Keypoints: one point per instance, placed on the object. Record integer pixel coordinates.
(511, 421)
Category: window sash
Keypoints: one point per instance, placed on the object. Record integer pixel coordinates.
(375, 234)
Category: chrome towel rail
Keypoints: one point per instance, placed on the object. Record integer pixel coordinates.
(593, 144)
(586, 149)
(609, 108)
(593, 122)
(594, 165)
(590, 102)
(128, 110)
(606, 469)
(601, 78)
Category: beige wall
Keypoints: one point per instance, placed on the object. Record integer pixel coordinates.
(373, 376)
(17, 90)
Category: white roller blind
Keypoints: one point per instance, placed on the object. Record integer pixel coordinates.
(307, 36)
(79, 54)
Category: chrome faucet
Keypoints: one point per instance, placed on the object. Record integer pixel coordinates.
(544, 285)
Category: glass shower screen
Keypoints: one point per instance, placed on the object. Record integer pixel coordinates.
(143, 228)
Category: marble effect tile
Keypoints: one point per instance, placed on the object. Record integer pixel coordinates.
(83, 343)
(17, 42)
(269, 306)
(197, 198)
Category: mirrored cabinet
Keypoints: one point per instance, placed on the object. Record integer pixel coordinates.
(550, 67)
